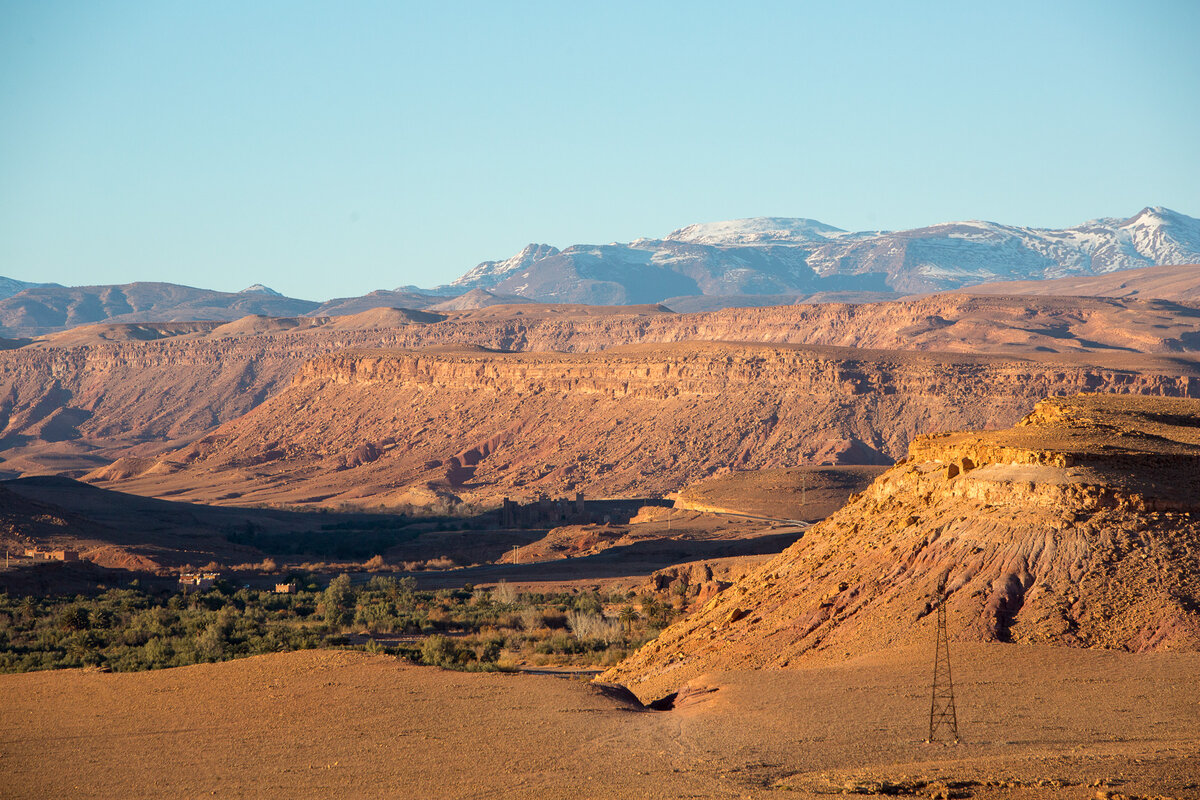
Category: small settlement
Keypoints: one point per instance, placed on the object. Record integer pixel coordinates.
(544, 511)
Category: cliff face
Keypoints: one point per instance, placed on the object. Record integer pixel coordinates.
(85, 397)
(91, 404)
(372, 426)
(1080, 526)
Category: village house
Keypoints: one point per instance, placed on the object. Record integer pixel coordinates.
(41, 554)
(198, 580)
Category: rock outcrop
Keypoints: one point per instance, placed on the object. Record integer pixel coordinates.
(631, 421)
(1080, 526)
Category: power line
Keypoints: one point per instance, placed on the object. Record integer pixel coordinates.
(943, 719)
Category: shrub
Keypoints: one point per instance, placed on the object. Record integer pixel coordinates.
(593, 627)
(337, 602)
(504, 593)
(490, 652)
(531, 619)
(438, 651)
(588, 603)
(211, 644)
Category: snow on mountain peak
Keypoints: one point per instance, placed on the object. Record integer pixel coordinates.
(258, 288)
(491, 272)
(1156, 216)
(780, 255)
(756, 230)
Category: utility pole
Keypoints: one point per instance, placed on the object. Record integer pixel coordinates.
(943, 719)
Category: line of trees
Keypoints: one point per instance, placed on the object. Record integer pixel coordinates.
(134, 629)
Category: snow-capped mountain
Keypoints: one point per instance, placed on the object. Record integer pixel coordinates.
(757, 230)
(772, 255)
(489, 273)
(258, 288)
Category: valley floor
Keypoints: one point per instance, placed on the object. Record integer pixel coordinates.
(1035, 722)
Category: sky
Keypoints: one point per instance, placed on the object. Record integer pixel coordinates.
(328, 149)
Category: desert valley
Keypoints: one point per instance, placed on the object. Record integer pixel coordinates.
(693, 544)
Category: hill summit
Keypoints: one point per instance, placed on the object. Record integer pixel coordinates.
(1079, 526)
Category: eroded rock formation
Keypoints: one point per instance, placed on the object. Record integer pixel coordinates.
(82, 398)
(631, 421)
(1080, 526)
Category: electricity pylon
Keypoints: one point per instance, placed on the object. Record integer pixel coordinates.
(943, 720)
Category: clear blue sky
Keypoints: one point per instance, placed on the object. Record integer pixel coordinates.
(330, 148)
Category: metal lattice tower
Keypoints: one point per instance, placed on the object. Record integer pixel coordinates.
(943, 720)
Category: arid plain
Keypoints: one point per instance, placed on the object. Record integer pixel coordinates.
(785, 487)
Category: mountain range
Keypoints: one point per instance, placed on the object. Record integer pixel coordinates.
(748, 262)
(780, 256)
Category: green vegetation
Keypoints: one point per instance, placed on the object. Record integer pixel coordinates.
(470, 629)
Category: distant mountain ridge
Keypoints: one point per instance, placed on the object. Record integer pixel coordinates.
(705, 266)
(43, 309)
(11, 286)
(775, 255)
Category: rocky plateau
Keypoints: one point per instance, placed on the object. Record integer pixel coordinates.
(77, 400)
(384, 427)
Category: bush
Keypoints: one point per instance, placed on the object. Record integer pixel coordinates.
(134, 628)
(337, 602)
(490, 652)
(593, 627)
(504, 594)
(531, 619)
(438, 651)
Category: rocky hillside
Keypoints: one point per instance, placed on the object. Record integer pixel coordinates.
(1079, 526)
(779, 256)
(78, 399)
(376, 427)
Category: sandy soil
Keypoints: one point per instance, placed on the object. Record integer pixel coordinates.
(341, 724)
(808, 493)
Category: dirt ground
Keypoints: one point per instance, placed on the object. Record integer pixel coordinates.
(1035, 722)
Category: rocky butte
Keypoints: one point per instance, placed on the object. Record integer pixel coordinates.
(1079, 526)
